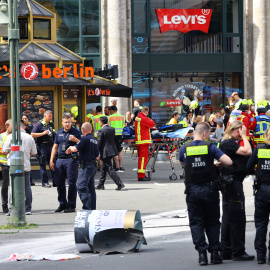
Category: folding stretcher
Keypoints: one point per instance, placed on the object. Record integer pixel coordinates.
(165, 142)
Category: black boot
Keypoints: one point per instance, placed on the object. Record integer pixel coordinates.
(268, 259)
(203, 258)
(215, 257)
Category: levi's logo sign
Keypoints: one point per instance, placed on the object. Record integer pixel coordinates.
(184, 20)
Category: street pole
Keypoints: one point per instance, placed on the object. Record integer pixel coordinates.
(16, 155)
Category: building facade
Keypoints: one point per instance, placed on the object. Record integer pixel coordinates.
(168, 69)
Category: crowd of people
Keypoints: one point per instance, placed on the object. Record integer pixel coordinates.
(237, 137)
(75, 156)
(243, 149)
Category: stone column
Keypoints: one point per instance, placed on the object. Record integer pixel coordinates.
(261, 41)
(248, 50)
(116, 37)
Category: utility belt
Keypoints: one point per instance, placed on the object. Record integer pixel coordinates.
(213, 184)
(65, 157)
(84, 163)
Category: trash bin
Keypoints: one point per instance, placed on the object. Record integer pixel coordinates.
(90, 222)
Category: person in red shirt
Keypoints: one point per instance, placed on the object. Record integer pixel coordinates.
(245, 118)
(143, 140)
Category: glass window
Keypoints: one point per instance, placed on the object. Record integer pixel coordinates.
(195, 41)
(233, 45)
(232, 16)
(90, 45)
(90, 17)
(141, 90)
(71, 103)
(42, 28)
(233, 83)
(140, 45)
(174, 92)
(23, 24)
(140, 15)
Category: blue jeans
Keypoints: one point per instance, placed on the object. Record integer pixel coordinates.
(28, 192)
(86, 186)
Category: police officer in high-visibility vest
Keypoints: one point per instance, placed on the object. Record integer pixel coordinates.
(261, 158)
(202, 197)
(117, 121)
(259, 125)
(96, 124)
(4, 166)
(143, 140)
(44, 132)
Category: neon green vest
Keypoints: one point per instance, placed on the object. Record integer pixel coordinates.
(3, 137)
(74, 111)
(89, 117)
(117, 121)
(96, 124)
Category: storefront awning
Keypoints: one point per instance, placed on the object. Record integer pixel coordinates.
(39, 81)
(118, 90)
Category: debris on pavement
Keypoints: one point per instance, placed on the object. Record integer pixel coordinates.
(48, 257)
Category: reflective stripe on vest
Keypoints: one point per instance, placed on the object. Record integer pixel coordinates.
(89, 117)
(139, 136)
(3, 137)
(117, 121)
(96, 124)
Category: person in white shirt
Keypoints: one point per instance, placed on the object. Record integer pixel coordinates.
(29, 149)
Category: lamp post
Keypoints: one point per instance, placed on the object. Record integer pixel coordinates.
(16, 155)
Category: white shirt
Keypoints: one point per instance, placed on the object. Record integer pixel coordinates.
(28, 147)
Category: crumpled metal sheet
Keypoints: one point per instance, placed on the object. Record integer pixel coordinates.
(118, 241)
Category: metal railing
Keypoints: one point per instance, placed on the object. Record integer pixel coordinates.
(210, 44)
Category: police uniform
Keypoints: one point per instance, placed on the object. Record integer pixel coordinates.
(234, 218)
(202, 199)
(88, 152)
(66, 167)
(45, 144)
(261, 158)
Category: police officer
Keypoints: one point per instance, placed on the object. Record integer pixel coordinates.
(66, 166)
(261, 158)
(234, 217)
(117, 121)
(44, 132)
(88, 149)
(202, 198)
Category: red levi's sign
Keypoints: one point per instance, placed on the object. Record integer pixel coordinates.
(173, 103)
(184, 20)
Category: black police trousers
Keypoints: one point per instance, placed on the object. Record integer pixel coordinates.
(233, 226)
(204, 213)
(262, 210)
